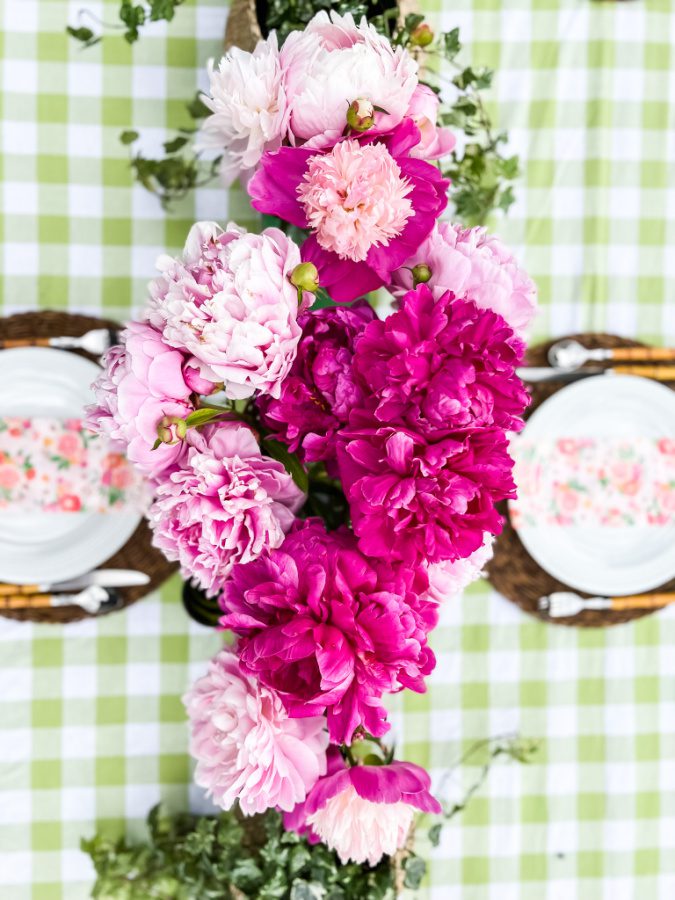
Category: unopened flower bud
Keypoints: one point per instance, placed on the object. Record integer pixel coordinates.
(421, 273)
(422, 36)
(171, 429)
(305, 277)
(361, 115)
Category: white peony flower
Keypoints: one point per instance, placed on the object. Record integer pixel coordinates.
(250, 112)
(334, 62)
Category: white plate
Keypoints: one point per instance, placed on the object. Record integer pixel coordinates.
(35, 382)
(605, 560)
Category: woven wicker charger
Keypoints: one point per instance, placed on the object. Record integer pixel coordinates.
(137, 553)
(512, 570)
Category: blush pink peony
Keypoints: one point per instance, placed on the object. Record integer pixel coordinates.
(334, 62)
(246, 746)
(229, 304)
(365, 812)
(249, 108)
(226, 504)
(142, 381)
(435, 142)
(476, 266)
(329, 629)
(448, 579)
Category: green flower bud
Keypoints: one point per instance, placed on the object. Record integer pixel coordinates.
(171, 429)
(421, 273)
(422, 36)
(361, 115)
(305, 277)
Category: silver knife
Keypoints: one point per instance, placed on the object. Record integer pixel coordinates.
(107, 578)
(547, 373)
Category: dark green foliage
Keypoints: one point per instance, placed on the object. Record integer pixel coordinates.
(201, 857)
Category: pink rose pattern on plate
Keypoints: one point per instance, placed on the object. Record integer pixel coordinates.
(56, 465)
(591, 482)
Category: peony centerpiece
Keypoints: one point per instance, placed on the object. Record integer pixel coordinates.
(330, 477)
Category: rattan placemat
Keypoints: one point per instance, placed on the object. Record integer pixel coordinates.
(512, 570)
(138, 553)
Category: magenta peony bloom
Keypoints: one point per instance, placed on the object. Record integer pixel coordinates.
(365, 812)
(332, 63)
(474, 265)
(329, 629)
(438, 366)
(246, 746)
(415, 501)
(368, 203)
(318, 394)
(226, 504)
(229, 304)
(142, 381)
(435, 142)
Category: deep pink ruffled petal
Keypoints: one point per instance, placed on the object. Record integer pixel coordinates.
(344, 279)
(273, 188)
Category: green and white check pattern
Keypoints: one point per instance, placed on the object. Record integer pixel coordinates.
(91, 727)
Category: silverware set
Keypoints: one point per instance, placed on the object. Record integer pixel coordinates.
(567, 357)
(96, 341)
(94, 592)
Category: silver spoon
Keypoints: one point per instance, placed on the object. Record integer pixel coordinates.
(96, 341)
(570, 354)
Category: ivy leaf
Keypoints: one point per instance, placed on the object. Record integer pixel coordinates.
(83, 34)
(435, 834)
(128, 137)
(415, 869)
(176, 144)
(197, 108)
(289, 460)
(451, 44)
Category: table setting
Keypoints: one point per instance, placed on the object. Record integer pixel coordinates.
(337, 372)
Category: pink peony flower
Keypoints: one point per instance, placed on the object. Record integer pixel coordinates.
(321, 389)
(141, 382)
(332, 63)
(448, 579)
(438, 366)
(246, 746)
(368, 202)
(476, 266)
(226, 504)
(414, 501)
(249, 106)
(329, 629)
(229, 304)
(435, 142)
(365, 812)
(355, 198)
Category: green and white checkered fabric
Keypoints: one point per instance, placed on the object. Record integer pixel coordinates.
(91, 727)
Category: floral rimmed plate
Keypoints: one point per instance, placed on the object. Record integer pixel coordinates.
(613, 559)
(41, 547)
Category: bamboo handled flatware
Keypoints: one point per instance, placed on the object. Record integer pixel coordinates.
(96, 341)
(570, 354)
(563, 604)
(94, 600)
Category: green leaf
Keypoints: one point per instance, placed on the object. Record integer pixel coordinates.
(202, 416)
(197, 108)
(435, 834)
(451, 44)
(289, 460)
(415, 869)
(176, 144)
(85, 35)
(128, 137)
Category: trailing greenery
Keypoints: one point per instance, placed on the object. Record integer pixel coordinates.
(132, 15)
(228, 857)
(201, 857)
(482, 174)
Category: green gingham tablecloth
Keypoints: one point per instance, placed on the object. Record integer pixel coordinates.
(91, 727)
